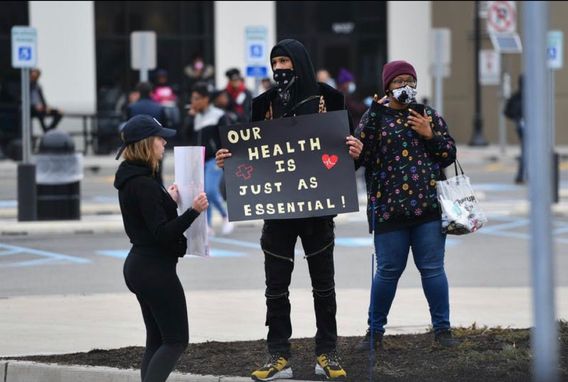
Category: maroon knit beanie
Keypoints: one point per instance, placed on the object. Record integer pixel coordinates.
(396, 68)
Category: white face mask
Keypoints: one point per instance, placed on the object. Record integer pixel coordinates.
(405, 94)
(351, 87)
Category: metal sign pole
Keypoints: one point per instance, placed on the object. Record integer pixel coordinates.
(501, 118)
(27, 194)
(438, 81)
(26, 122)
(544, 336)
(24, 57)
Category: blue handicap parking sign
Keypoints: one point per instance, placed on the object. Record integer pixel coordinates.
(256, 51)
(551, 53)
(257, 71)
(24, 53)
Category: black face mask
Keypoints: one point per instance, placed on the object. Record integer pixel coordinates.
(284, 79)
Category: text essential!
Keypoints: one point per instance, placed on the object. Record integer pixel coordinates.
(289, 168)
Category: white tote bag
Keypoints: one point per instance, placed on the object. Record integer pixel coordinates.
(461, 212)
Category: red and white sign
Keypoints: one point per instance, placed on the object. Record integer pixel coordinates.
(489, 67)
(501, 17)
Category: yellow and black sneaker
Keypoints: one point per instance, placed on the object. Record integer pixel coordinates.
(277, 367)
(328, 366)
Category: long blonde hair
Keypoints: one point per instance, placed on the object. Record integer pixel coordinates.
(143, 151)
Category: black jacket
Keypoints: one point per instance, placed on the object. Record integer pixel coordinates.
(305, 88)
(150, 214)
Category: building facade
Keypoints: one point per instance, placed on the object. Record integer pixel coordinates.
(84, 47)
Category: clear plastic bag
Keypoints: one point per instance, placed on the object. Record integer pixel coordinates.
(461, 212)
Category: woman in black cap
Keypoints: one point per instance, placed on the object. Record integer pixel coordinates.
(149, 213)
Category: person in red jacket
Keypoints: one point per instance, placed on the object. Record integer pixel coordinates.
(240, 98)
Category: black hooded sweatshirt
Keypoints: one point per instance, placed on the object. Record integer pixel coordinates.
(149, 213)
(305, 86)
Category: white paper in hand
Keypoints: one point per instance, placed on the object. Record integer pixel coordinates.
(189, 178)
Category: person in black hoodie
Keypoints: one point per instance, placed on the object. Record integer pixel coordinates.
(297, 92)
(149, 213)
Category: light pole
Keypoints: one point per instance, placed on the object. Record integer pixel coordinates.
(477, 138)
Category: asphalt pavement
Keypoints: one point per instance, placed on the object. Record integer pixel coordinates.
(47, 322)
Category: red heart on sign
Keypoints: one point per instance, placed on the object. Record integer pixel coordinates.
(329, 160)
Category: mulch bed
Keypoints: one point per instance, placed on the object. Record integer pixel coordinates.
(484, 354)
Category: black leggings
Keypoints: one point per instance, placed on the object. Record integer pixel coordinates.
(161, 297)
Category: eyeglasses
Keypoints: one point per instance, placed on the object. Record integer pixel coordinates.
(399, 82)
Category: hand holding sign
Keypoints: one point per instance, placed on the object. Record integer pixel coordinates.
(355, 147)
(200, 202)
(289, 167)
(220, 156)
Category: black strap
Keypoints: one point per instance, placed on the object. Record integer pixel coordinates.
(456, 164)
(310, 98)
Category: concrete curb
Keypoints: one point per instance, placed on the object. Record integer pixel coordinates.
(86, 210)
(62, 227)
(27, 371)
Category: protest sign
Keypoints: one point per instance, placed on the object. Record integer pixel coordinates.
(288, 168)
(189, 178)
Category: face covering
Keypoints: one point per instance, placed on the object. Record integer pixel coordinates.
(351, 87)
(198, 65)
(284, 79)
(405, 94)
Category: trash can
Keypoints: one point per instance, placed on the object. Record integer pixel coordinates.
(59, 170)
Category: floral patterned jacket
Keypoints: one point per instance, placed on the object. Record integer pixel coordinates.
(401, 167)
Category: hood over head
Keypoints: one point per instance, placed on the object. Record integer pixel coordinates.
(306, 84)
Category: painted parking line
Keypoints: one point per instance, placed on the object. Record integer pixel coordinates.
(502, 230)
(497, 187)
(214, 252)
(117, 254)
(354, 242)
(45, 257)
(362, 242)
(8, 203)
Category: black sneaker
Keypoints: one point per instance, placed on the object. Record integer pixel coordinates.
(328, 366)
(445, 339)
(277, 367)
(365, 344)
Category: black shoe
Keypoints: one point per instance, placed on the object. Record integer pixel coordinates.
(445, 339)
(365, 344)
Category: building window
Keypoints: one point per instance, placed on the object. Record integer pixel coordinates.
(183, 29)
(339, 34)
(13, 13)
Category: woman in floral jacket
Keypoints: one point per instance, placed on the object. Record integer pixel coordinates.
(405, 148)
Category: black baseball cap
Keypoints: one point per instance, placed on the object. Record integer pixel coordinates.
(139, 127)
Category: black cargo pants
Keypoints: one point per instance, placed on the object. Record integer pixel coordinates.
(278, 241)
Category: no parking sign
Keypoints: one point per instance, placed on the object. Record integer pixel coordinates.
(501, 17)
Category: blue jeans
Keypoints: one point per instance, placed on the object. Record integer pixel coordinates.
(213, 176)
(391, 251)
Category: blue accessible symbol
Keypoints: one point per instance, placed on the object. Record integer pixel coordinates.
(256, 51)
(24, 53)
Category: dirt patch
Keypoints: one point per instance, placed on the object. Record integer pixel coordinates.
(484, 354)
